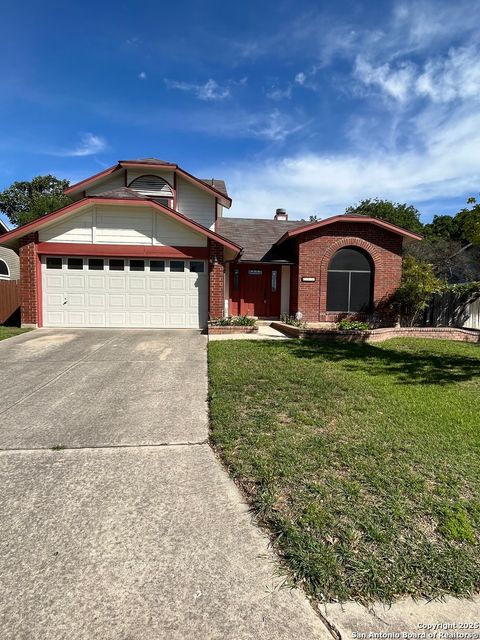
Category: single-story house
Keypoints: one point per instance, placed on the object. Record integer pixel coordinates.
(9, 262)
(146, 244)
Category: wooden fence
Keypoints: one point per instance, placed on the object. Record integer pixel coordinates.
(9, 298)
(454, 310)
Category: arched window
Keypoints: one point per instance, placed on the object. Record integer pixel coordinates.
(154, 187)
(349, 286)
(4, 270)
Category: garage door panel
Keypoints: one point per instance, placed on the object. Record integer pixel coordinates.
(117, 300)
(74, 282)
(96, 300)
(55, 282)
(163, 299)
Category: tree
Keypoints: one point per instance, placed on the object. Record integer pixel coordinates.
(469, 219)
(25, 201)
(444, 227)
(402, 215)
(418, 284)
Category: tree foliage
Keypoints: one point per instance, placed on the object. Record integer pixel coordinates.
(402, 215)
(25, 201)
(418, 284)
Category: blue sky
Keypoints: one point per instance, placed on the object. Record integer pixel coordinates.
(309, 106)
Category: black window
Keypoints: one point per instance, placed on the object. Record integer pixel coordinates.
(236, 279)
(3, 268)
(116, 264)
(75, 263)
(197, 266)
(349, 283)
(157, 265)
(177, 266)
(274, 281)
(95, 264)
(137, 265)
(54, 263)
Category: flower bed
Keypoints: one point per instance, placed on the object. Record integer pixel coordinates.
(379, 335)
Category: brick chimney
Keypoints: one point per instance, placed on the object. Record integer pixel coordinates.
(281, 214)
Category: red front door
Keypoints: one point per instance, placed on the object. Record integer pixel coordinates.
(255, 290)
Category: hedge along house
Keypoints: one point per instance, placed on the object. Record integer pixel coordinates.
(146, 244)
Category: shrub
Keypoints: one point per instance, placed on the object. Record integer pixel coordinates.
(234, 321)
(292, 320)
(353, 325)
(418, 284)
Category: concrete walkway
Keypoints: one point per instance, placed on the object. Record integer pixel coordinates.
(265, 332)
(133, 530)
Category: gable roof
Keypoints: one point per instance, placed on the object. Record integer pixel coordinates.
(349, 218)
(214, 187)
(11, 237)
(257, 237)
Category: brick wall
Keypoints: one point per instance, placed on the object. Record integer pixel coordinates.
(28, 281)
(215, 280)
(315, 250)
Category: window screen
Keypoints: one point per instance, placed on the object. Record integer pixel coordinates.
(196, 266)
(54, 263)
(95, 264)
(75, 263)
(177, 266)
(137, 265)
(157, 265)
(116, 264)
(349, 283)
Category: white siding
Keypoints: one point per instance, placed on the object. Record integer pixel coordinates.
(76, 229)
(285, 292)
(107, 224)
(12, 261)
(195, 203)
(115, 181)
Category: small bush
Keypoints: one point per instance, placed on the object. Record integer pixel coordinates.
(353, 325)
(292, 320)
(234, 321)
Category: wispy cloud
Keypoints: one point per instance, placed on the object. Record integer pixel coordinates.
(89, 145)
(440, 79)
(211, 90)
(142, 75)
(320, 183)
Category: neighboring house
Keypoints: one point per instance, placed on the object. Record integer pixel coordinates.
(9, 262)
(146, 244)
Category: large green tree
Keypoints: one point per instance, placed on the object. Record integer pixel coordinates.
(402, 215)
(25, 201)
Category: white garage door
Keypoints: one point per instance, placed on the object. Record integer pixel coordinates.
(124, 292)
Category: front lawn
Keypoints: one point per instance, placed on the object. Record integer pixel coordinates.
(9, 332)
(363, 460)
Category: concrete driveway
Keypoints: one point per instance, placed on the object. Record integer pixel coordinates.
(132, 529)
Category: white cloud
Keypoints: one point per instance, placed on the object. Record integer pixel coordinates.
(440, 79)
(275, 93)
(443, 165)
(211, 90)
(89, 145)
(300, 78)
(142, 75)
(396, 83)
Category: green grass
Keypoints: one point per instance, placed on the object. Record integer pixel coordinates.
(9, 332)
(363, 460)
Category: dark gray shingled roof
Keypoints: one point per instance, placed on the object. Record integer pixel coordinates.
(121, 193)
(219, 185)
(257, 237)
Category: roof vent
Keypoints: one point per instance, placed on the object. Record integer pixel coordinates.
(281, 214)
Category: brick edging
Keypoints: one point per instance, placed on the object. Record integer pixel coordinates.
(216, 330)
(379, 335)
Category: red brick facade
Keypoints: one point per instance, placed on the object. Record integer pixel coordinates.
(28, 281)
(215, 280)
(316, 248)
